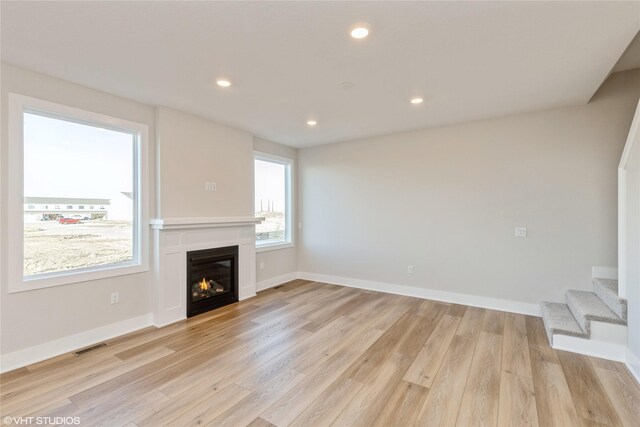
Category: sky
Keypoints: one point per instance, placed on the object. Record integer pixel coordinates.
(66, 159)
(270, 180)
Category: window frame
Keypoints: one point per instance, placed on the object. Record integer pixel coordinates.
(18, 105)
(289, 164)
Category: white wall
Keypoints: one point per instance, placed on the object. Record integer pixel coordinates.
(630, 241)
(281, 262)
(446, 200)
(39, 316)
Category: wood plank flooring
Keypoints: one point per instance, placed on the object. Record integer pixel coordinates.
(312, 354)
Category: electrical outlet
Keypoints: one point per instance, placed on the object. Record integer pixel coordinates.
(299, 226)
(410, 269)
(115, 297)
(261, 265)
(521, 232)
(210, 186)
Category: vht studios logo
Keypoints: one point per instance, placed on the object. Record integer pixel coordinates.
(40, 421)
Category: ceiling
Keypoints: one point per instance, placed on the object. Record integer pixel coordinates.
(469, 60)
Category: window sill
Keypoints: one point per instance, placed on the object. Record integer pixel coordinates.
(273, 246)
(61, 279)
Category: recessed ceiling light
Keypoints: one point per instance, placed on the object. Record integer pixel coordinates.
(416, 100)
(312, 122)
(223, 83)
(359, 33)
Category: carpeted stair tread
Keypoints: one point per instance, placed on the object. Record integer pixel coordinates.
(607, 291)
(558, 319)
(587, 306)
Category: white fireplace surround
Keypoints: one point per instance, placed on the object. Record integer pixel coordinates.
(174, 237)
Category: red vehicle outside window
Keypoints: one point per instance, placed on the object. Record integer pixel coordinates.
(69, 221)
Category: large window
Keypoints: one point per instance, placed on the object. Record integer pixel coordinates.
(273, 201)
(70, 157)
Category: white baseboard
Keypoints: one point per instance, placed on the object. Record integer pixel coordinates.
(275, 281)
(40, 352)
(604, 273)
(243, 298)
(432, 294)
(590, 347)
(633, 364)
(175, 320)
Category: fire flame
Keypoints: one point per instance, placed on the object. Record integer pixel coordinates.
(204, 285)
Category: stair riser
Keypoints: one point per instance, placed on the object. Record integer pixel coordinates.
(598, 316)
(557, 319)
(587, 306)
(582, 321)
(617, 306)
(608, 332)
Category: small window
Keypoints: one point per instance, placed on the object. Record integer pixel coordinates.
(69, 153)
(31, 206)
(273, 201)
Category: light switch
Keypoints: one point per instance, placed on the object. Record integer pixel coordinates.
(521, 232)
(210, 186)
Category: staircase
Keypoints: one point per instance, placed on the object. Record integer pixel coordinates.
(585, 310)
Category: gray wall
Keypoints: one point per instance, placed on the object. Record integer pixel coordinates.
(446, 200)
(193, 150)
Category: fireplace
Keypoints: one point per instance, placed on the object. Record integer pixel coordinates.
(212, 279)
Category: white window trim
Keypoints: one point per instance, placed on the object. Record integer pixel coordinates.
(290, 191)
(15, 218)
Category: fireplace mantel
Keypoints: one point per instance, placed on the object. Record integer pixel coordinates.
(174, 237)
(185, 223)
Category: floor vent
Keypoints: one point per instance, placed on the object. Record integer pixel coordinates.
(88, 349)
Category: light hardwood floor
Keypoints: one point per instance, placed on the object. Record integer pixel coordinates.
(310, 354)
